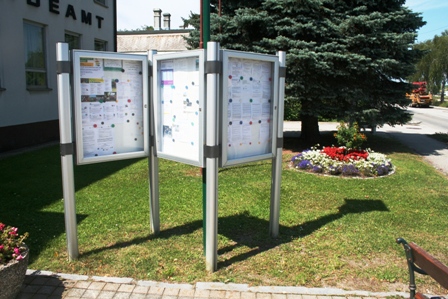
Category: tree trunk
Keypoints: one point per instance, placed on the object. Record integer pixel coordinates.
(442, 95)
(310, 128)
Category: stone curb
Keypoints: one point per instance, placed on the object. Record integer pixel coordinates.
(219, 286)
(120, 280)
(149, 283)
(222, 286)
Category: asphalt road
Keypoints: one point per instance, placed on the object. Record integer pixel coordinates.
(425, 121)
(430, 120)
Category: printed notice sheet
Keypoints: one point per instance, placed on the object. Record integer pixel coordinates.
(111, 106)
(249, 108)
(179, 103)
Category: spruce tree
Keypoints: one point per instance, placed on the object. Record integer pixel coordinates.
(346, 59)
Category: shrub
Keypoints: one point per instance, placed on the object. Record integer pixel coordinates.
(350, 136)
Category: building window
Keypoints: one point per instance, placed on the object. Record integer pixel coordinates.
(73, 41)
(35, 64)
(102, 2)
(100, 45)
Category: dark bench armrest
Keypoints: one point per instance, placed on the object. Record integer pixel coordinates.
(432, 266)
(420, 261)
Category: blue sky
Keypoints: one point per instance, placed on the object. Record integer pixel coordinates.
(435, 13)
(132, 14)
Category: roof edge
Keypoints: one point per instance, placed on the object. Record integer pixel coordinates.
(153, 32)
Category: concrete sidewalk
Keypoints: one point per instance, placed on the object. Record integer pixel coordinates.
(44, 284)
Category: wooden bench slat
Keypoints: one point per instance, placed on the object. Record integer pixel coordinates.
(429, 264)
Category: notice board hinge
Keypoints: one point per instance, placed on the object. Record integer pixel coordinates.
(282, 72)
(63, 67)
(280, 142)
(213, 67)
(212, 151)
(67, 149)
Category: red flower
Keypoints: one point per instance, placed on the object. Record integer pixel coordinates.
(13, 231)
(341, 154)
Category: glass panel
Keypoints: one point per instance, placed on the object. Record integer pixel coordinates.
(34, 48)
(100, 45)
(36, 79)
(36, 73)
(73, 41)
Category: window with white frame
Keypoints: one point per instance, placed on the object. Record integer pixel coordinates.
(73, 40)
(100, 45)
(35, 61)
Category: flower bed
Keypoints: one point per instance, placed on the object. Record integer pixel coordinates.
(13, 261)
(344, 162)
(11, 244)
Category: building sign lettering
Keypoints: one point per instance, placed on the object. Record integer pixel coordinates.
(53, 7)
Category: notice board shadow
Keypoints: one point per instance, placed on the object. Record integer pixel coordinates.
(252, 232)
(249, 231)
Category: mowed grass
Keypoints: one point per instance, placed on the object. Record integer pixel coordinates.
(333, 231)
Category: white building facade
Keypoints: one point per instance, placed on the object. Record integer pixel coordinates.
(29, 32)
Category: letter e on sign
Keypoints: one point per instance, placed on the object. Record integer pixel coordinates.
(53, 6)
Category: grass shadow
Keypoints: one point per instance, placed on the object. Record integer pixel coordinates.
(181, 230)
(245, 229)
(32, 181)
(42, 227)
(249, 231)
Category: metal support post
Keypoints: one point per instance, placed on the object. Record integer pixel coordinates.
(204, 39)
(211, 251)
(67, 148)
(153, 161)
(276, 177)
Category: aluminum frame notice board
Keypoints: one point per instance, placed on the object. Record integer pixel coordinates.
(179, 106)
(249, 107)
(111, 106)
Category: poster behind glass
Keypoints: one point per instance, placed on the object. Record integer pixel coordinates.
(179, 107)
(111, 105)
(249, 105)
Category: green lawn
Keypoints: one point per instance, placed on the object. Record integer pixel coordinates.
(333, 231)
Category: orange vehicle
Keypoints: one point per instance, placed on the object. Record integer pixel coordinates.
(420, 97)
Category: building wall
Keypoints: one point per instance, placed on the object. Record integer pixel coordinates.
(160, 40)
(30, 116)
